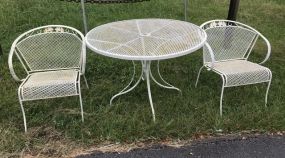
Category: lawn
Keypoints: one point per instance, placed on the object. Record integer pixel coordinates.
(55, 127)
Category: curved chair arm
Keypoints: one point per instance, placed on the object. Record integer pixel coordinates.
(211, 54)
(268, 48)
(10, 63)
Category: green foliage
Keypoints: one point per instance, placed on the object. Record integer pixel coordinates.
(129, 120)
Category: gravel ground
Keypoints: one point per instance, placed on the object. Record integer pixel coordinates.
(251, 147)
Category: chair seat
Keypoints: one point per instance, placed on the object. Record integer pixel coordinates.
(242, 72)
(51, 84)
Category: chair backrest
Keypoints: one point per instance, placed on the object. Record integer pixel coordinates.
(51, 47)
(228, 40)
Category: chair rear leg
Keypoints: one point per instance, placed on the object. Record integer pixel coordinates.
(198, 76)
(85, 80)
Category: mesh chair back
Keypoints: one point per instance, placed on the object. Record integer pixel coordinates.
(50, 48)
(228, 40)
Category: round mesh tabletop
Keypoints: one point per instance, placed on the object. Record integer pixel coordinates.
(146, 39)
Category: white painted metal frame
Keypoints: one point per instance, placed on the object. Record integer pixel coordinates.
(170, 39)
(54, 78)
(126, 90)
(198, 33)
(237, 70)
(146, 74)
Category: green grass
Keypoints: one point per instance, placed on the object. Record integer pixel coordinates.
(54, 126)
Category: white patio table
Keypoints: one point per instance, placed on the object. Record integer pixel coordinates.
(146, 40)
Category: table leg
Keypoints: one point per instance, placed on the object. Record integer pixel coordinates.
(147, 72)
(145, 75)
(126, 90)
(167, 85)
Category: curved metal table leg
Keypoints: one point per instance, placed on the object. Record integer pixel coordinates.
(126, 90)
(145, 75)
(168, 85)
(147, 72)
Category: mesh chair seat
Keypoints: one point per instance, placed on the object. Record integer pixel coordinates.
(241, 72)
(50, 84)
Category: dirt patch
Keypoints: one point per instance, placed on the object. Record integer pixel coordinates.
(123, 147)
(44, 142)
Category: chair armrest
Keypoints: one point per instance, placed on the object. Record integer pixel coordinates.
(211, 55)
(268, 48)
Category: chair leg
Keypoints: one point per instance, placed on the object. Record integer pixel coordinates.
(22, 108)
(24, 116)
(81, 107)
(266, 95)
(198, 76)
(80, 100)
(221, 99)
(85, 80)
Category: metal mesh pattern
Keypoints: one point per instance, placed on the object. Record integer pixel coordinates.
(53, 56)
(229, 42)
(232, 43)
(242, 72)
(143, 39)
(50, 84)
(228, 47)
(51, 50)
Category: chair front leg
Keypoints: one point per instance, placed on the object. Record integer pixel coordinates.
(266, 95)
(267, 91)
(222, 94)
(80, 100)
(22, 108)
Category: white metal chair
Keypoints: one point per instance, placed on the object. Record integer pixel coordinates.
(53, 57)
(229, 44)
